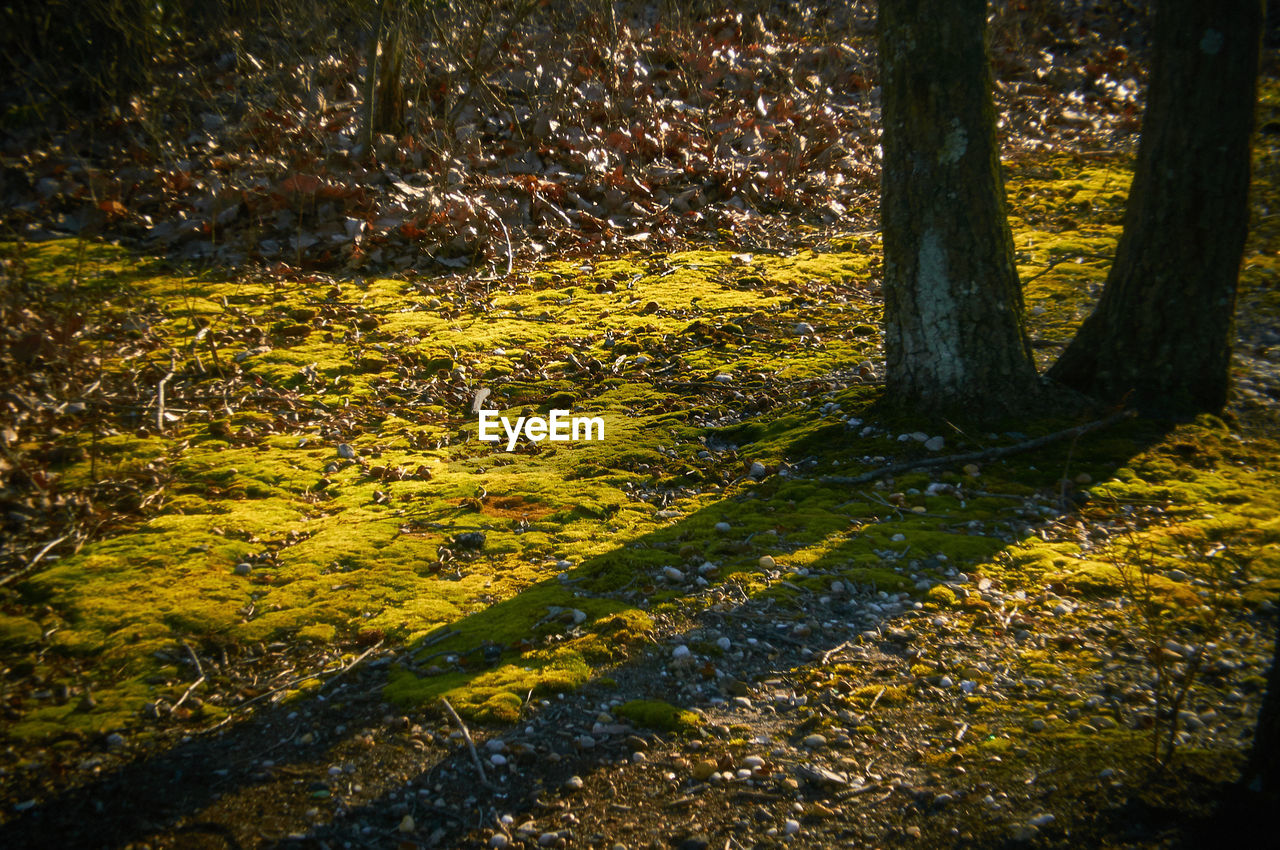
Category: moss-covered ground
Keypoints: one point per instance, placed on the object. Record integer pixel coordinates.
(315, 477)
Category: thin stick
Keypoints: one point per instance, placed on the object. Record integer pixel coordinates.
(471, 745)
(299, 680)
(195, 659)
(160, 403)
(31, 566)
(826, 656)
(985, 454)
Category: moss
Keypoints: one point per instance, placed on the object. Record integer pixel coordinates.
(880, 695)
(339, 546)
(941, 596)
(655, 714)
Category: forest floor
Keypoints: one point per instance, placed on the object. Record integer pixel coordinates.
(256, 556)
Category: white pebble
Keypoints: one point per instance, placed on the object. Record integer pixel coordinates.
(791, 827)
(681, 651)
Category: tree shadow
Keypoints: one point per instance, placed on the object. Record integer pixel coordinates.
(198, 791)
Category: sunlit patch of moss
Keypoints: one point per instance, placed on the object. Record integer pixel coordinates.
(655, 714)
(880, 695)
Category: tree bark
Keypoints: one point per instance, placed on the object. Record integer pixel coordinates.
(954, 335)
(1162, 330)
(1262, 773)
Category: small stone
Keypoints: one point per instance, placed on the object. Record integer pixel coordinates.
(1041, 820)
(815, 741)
(935, 444)
(407, 824)
(346, 452)
(972, 470)
(585, 742)
(242, 569)
(672, 574)
(1037, 725)
(753, 762)
(723, 527)
(803, 329)
(724, 643)
(498, 759)
(573, 783)
(115, 740)
(702, 770)
(913, 831)
(681, 651)
(968, 686)
(724, 378)
(546, 839)
(945, 682)
(499, 840)
(757, 470)
(767, 562)
(1107, 773)
(496, 745)
(790, 827)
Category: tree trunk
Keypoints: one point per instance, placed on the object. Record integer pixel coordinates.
(954, 336)
(1262, 773)
(1161, 333)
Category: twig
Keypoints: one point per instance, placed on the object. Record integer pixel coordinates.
(195, 659)
(300, 679)
(471, 745)
(985, 454)
(16, 574)
(160, 402)
(826, 656)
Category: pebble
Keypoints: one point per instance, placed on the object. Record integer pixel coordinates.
(757, 470)
(815, 740)
(499, 840)
(407, 824)
(498, 759)
(573, 783)
(1037, 725)
(791, 827)
(242, 569)
(723, 527)
(935, 444)
(724, 643)
(1041, 820)
(115, 740)
(724, 378)
(496, 745)
(945, 682)
(767, 562)
(803, 329)
(681, 651)
(753, 762)
(1107, 773)
(346, 452)
(673, 574)
(702, 770)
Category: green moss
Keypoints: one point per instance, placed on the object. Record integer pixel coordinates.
(941, 595)
(655, 714)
